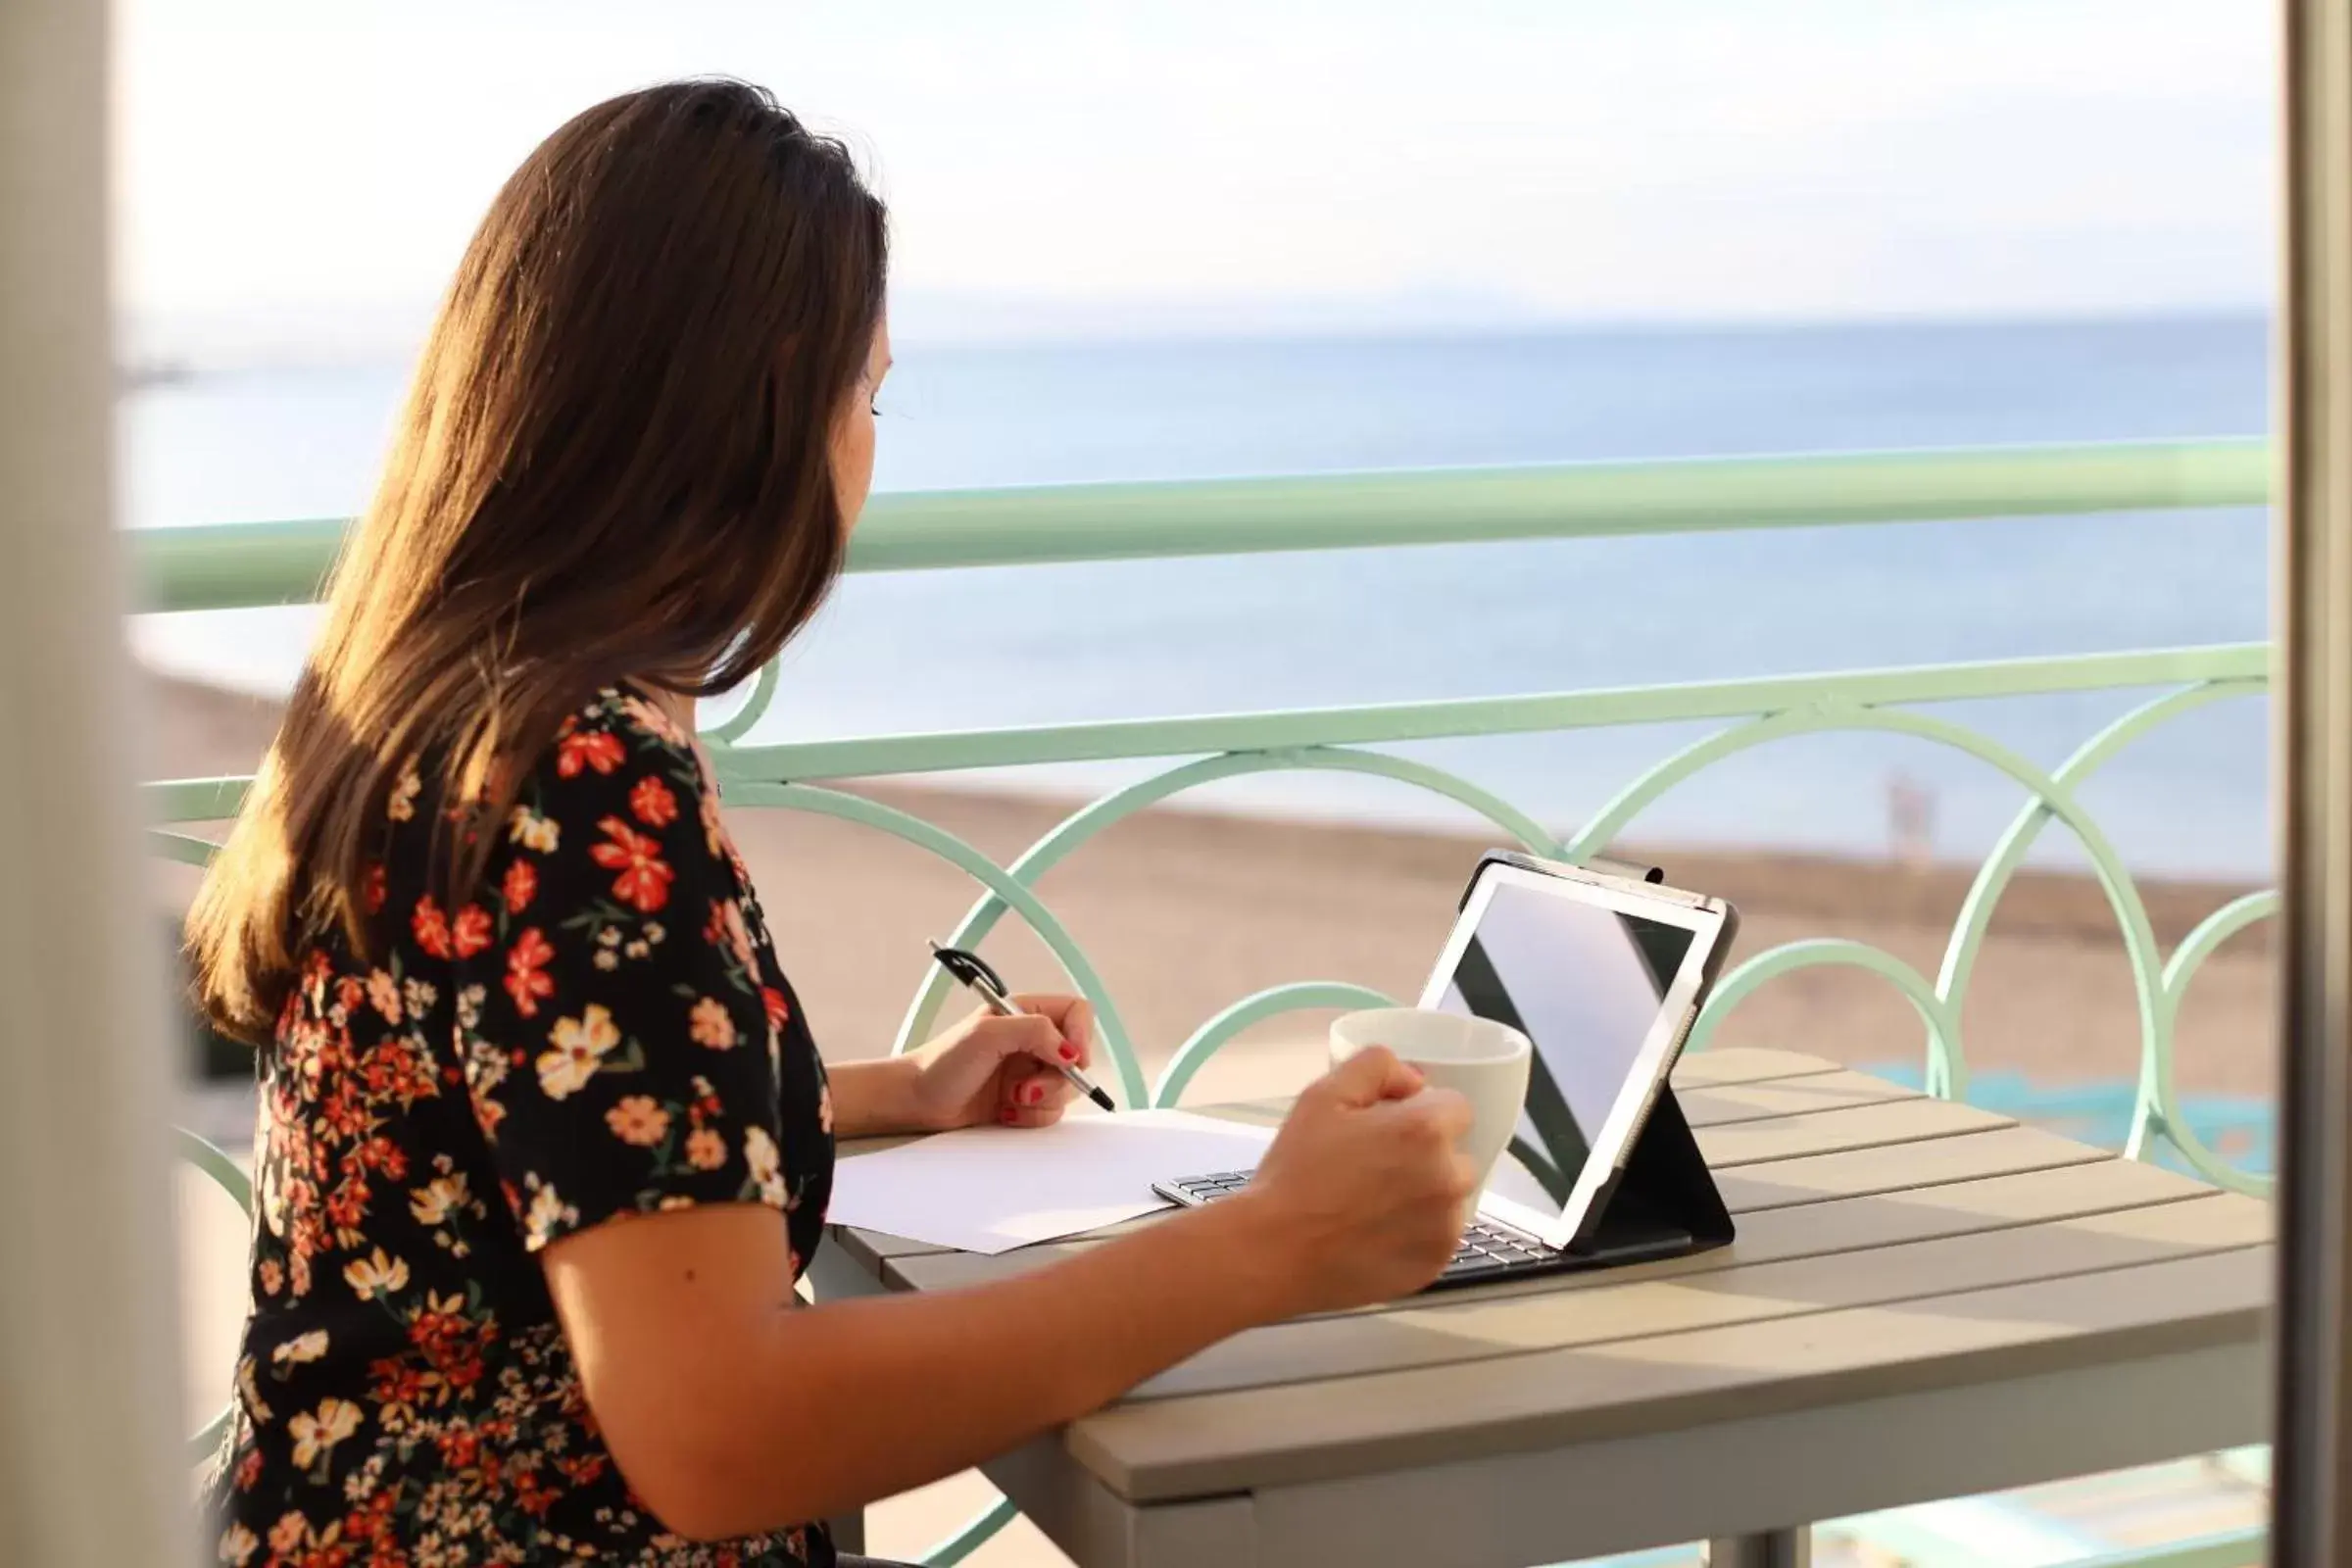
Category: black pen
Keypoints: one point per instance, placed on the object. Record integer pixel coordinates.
(974, 972)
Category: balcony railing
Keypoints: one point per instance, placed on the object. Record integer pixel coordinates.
(283, 563)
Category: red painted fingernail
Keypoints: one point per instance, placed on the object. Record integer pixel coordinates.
(1008, 1115)
(1034, 1093)
(1069, 1053)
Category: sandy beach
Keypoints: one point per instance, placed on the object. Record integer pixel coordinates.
(1184, 913)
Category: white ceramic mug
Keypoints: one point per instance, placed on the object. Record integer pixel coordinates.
(1484, 1061)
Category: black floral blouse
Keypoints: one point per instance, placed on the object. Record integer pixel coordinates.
(602, 1031)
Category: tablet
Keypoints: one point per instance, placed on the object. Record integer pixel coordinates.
(1605, 976)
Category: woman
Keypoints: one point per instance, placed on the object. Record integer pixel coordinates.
(512, 986)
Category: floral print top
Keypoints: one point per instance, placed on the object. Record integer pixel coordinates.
(601, 1031)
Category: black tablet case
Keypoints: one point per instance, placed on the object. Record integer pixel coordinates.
(1664, 1202)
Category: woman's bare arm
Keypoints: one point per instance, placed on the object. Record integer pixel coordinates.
(731, 1413)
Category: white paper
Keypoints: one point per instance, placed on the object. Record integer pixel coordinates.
(993, 1188)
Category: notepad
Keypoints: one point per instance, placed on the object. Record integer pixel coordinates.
(992, 1189)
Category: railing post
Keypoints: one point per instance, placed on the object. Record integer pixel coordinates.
(91, 1469)
(2312, 1503)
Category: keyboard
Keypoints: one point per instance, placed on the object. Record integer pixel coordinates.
(1489, 1252)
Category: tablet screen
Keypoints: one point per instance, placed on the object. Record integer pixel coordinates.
(1584, 984)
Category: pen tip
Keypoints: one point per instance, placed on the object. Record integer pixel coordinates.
(1099, 1098)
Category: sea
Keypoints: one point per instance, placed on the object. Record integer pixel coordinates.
(1010, 646)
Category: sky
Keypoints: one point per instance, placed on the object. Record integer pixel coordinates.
(314, 168)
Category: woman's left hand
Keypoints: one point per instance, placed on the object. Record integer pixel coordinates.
(1007, 1071)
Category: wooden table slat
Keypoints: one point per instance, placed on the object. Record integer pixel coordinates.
(1828, 1218)
(1745, 1064)
(1877, 1219)
(1827, 1132)
(1225, 1443)
(1722, 1104)
(1992, 1252)
(1896, 1168)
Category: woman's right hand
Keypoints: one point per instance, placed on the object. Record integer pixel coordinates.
(1363, 1188)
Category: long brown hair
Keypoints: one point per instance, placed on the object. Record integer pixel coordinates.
(613, 464)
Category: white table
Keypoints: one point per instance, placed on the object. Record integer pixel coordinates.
(1924, 1300)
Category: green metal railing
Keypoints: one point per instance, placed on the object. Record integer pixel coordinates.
(269, 563)
(244, 565)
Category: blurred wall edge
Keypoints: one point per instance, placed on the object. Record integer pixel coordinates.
(91, 1466)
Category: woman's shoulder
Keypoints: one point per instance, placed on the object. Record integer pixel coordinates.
(609, 730)
(616, 742)
(620, 775)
